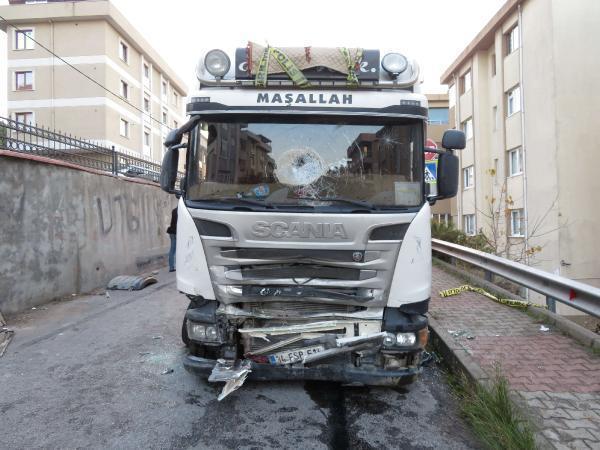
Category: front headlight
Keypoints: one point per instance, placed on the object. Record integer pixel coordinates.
(406, 339)
(196, 331)
(389, 340)
(217, 63)
(211, 334)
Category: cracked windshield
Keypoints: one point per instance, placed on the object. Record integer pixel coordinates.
(291, 164)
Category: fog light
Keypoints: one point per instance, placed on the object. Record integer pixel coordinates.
(389, 340)
(405, 339)
(196, 331)
(394, 63)
(211, 334)
(217, 63)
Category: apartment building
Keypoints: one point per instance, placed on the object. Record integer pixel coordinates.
(440, 121)
(525, 93)
(94, 38)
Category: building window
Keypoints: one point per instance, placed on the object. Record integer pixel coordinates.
(164, 117)
(146, 71)
(164, 88)
(467, 127)
(515, 161)
(443, 218)
(469, 224)
(146, 103)
(438, 116)
(465, 82)
(493, 64)
(123, 51)
(496, 168)
(124, 129)
(468, 177)
(24, 117)
(24, 80)
(517, 228)
(495, 118)
(512, 40)
(124, 89)
(147, 140)
(451, 96)
(24, 39)
(513, 101)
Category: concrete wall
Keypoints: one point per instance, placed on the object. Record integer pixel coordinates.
(65, 231)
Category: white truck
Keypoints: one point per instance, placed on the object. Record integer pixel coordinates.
(303, 238)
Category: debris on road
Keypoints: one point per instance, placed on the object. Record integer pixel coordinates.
(107, 294)
(144, 353)
(233, 373)
(6, 335)
(461, 333)
(157, 337)
(544, 328)
(131, 282)
(169, 370)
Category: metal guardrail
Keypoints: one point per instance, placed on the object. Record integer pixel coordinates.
(41, 141)
(578, 295)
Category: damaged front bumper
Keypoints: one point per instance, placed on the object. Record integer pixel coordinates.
(346, 374)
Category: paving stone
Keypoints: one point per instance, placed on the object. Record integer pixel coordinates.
(577, 444)
(553, 423)
(563, 396)
(584, 414)
(535, 403)
(577, 433)
(555, 413)
(551, 434)
(581, 423)
(534, 394)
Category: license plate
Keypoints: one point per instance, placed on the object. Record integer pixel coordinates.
(292, 356)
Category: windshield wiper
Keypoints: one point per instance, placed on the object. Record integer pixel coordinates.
(361, 203)
(248, 201)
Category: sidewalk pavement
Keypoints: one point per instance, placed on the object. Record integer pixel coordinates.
(556, 377)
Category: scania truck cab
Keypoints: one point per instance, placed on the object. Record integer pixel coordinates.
(303, 237)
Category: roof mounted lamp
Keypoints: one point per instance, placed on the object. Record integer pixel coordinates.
(217, 63)
(394, 64)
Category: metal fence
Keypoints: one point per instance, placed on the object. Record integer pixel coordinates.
(38, 140)
(578, 295)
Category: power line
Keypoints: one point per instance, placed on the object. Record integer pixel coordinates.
(120, 97)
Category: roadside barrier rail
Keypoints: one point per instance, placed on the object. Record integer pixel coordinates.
(555, 288)
(41, 141)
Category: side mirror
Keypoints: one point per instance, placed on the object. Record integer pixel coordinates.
(447, 174)
(453, 140)
(168, 170)
(173, 138)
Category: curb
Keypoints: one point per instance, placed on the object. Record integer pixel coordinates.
(580, 334)
(456, 357)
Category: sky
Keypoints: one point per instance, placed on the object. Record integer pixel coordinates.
(434, 32)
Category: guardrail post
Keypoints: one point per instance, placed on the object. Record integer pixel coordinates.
(115, 169)
(489, 276)
(551, 304)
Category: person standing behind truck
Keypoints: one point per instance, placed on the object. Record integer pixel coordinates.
(172, 232)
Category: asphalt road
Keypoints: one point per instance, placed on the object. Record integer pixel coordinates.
(90, 372)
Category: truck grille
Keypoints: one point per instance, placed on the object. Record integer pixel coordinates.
(297, 309)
